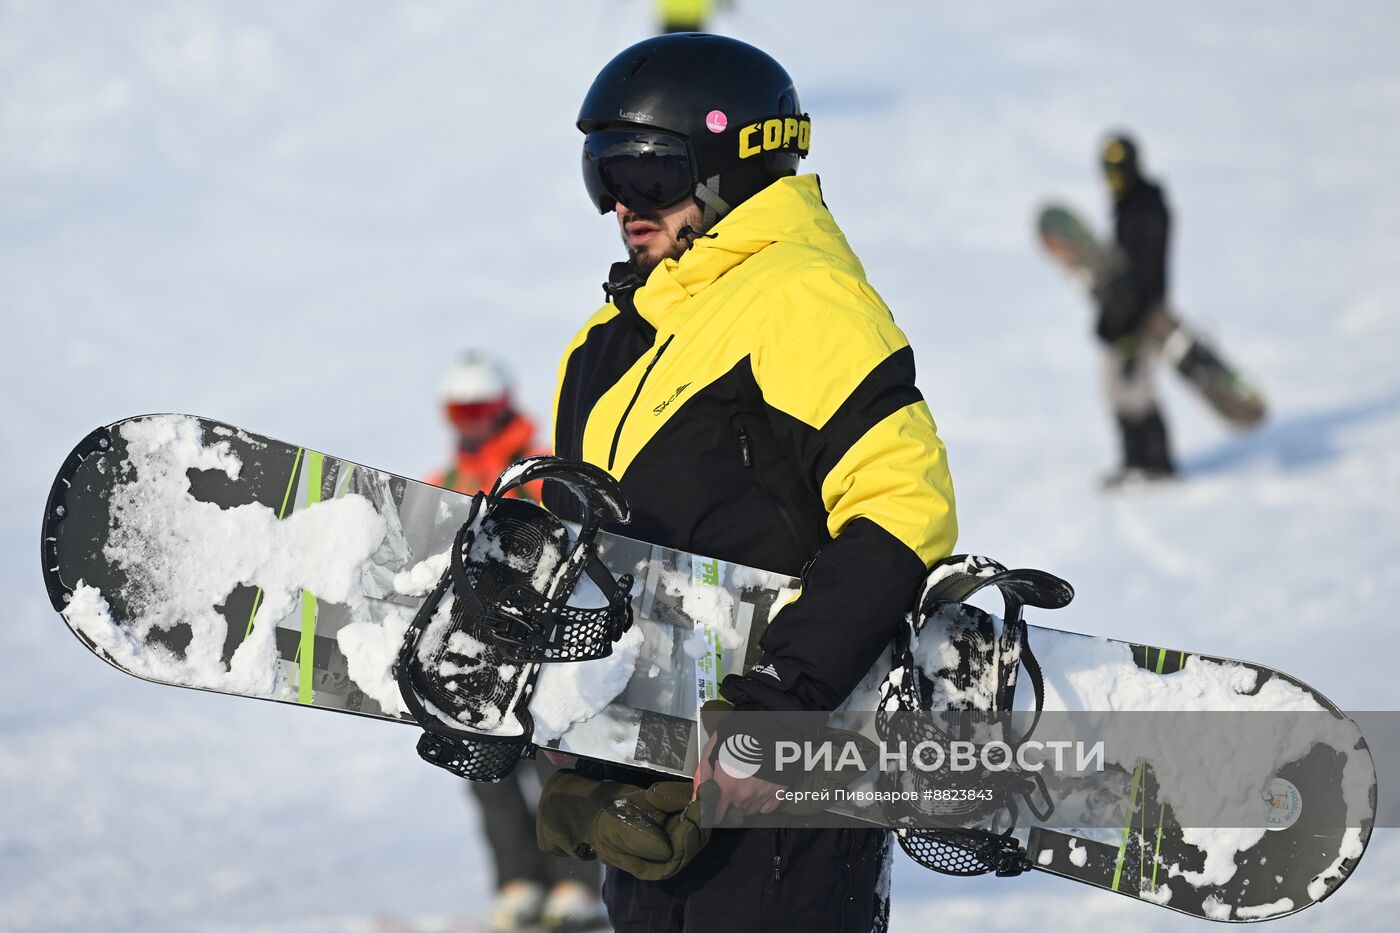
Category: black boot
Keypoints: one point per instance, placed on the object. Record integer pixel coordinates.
(1146, 451)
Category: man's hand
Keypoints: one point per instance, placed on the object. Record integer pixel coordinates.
(747, 795)
(649, 832)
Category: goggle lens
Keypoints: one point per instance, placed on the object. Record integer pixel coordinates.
(643, 170)
(472, 416)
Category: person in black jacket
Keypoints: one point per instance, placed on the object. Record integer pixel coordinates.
(1130, 304)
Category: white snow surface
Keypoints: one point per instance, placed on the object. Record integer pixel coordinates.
(293, 218)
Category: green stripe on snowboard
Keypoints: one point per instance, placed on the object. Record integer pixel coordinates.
(306, 651)
(1127, 828)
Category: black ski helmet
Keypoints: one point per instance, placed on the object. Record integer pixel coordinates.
(690, 114)
(1120, 162)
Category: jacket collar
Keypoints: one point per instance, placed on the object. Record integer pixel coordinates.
(789, 210)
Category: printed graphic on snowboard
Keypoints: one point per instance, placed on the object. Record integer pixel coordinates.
(1071, 243)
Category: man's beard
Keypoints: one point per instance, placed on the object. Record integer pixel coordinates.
(645, 260)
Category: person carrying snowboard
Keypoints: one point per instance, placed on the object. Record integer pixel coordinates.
(682, 15)
(1128, 304)
(533, 891)
(756, 401)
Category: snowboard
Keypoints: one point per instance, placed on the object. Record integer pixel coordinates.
(1071, 243)
(192, 553)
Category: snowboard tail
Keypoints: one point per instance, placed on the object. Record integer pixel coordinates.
(1312, 844)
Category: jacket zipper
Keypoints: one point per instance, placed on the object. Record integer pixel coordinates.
(617, 435)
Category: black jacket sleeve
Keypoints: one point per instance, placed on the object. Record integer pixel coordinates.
(841, 394)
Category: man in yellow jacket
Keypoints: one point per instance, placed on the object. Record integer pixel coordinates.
(756, 401)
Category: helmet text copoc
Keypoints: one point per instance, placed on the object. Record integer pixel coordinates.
(775, 133)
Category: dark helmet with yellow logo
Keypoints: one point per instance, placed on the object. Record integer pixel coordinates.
(1120, 162)
(689, 114)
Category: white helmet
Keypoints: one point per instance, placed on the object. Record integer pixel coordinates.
(476, 378)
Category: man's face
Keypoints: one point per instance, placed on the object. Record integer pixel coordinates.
(651, 236)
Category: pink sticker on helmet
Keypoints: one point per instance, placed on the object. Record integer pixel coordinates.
(716, 121)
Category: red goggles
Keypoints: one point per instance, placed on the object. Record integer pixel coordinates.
(475, 414)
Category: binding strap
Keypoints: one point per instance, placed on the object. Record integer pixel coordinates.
(526, 625)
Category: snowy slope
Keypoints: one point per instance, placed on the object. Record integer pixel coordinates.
(291, 216)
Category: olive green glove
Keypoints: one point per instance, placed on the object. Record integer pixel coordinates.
(651, 833)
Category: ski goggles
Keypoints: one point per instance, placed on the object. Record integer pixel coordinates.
(474, 416)
(644, 170)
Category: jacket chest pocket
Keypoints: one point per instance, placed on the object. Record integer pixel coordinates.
(756, 452)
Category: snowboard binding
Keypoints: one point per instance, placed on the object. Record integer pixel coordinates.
(470, 658)
(971, 669)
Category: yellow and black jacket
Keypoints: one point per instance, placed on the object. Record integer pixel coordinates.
(757, 403)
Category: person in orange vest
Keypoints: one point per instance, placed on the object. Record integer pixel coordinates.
(491, 434)
(534, 891)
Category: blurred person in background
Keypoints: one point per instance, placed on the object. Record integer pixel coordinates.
(533, 890)
(683, 15)
(1141, 230)
(490, 433)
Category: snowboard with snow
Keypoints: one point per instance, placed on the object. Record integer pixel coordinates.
(1072, 244)
(1319, 799)
(192, 553)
